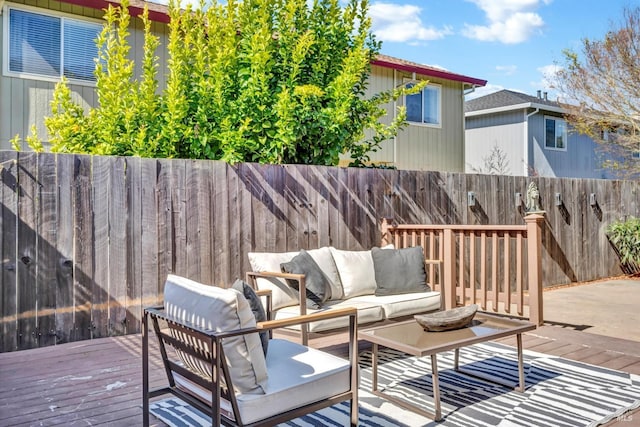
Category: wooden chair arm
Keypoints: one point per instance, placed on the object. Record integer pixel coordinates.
(307, 318)
(273, 274)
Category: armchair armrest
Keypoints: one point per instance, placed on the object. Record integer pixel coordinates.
(252, 277)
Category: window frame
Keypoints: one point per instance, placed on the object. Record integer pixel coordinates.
(566, 133)
(82, 20)
(436, 86)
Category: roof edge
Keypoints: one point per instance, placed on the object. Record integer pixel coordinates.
(134, 10)
(428, 71)
(504, 108)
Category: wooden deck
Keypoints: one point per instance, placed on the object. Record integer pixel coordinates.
(99, 382)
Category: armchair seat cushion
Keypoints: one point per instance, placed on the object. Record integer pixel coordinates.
(298, 375)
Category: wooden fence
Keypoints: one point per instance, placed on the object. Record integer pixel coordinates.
(87, 241)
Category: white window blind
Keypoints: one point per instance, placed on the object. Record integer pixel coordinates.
(51, 46)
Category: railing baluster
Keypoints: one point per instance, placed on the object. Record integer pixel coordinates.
(461, 256)
(494, 269)
(519, 290)
(507, 271)
(472, 265)
(483, 269)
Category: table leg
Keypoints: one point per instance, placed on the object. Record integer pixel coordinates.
(456, 359)
(374, 367)
(436, 387)
(520, 364)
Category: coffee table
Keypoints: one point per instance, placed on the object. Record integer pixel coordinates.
(409, 337)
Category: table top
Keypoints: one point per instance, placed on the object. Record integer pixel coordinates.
(410, 337)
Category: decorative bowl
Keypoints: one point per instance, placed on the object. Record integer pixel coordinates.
(447, 320)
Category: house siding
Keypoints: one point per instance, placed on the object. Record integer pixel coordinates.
(581, 159)
(504, 130)
(26, 101)
(420, 147)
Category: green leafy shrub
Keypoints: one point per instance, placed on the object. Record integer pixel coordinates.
(624, 235)
(269, 81)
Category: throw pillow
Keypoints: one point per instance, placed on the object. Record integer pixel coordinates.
(316, 282)
(399, 271)
(256, 307)
(356, 272)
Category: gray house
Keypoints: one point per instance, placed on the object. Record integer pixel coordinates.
(529, 136)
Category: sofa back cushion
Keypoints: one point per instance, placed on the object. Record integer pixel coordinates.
(399, 271)
(282, 295)
(218, 309)
(356, 272)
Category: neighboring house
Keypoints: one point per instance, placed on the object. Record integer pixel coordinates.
(530, 135)
(43, 40)
(434, 136)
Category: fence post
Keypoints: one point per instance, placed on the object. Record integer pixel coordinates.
(449, 261)
(534, 264)
(385, 238)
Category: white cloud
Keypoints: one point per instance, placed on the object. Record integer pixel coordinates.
(549, 73)
(509, 21)
(507, 70)
(401, 23)
(547, 81)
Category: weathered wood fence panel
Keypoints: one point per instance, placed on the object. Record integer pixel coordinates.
(86, 241)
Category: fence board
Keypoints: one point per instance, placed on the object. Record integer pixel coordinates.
(149, 236)
(164, 228)
(64, 246)
(221, 226)
(100, 190)
(134, 283)
(46, 248)
(27, 257)
(83, 250)
(118, 259)
(8, 242)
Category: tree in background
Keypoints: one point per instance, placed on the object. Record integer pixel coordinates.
(270, 81)
(600, 87)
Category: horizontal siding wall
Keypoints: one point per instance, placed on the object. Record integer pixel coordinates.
(25, 102)
(87, 242)
(505, 131)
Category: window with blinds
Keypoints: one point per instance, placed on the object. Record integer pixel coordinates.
(51, 46)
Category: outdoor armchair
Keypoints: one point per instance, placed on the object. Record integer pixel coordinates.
(211, 352)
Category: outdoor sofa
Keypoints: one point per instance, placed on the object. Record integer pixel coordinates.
(381, 283)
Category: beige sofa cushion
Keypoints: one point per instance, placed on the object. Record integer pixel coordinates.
(367, 312)
(218, 309)
(399, 305)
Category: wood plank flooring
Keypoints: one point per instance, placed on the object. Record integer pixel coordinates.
(99, 382)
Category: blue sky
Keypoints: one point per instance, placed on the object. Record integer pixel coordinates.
(513, 44)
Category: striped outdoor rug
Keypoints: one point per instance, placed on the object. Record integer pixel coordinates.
(559, 393)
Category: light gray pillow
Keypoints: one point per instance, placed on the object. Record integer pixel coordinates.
(399, 271)
(316, 282)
